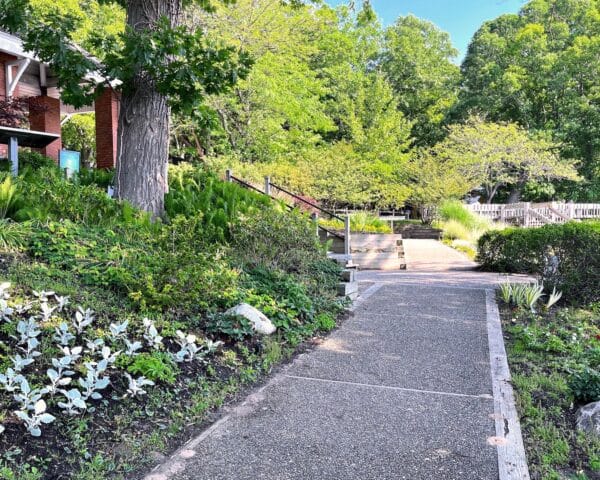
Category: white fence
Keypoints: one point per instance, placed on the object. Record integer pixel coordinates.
(536, 214)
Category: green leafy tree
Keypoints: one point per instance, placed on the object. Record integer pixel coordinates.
(276, 112)
(79, 133)
(418, 60)
(496, 155)
(158, 66)
(540, 69)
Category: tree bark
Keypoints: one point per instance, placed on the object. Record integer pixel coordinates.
(144, 118)
(515, 194)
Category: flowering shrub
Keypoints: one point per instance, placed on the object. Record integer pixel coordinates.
(78, 358)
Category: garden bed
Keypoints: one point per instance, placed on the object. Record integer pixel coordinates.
(548, 355)
(219, 246)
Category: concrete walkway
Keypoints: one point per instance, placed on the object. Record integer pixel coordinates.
(403, 390)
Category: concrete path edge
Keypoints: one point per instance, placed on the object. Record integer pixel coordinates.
(512, 461)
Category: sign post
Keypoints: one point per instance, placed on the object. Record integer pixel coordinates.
(69, 162)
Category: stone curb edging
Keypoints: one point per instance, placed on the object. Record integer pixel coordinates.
(512, 461)
(364, 296)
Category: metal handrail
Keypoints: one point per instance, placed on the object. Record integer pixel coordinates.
(246, 184)
(332, 232)
(252, 187)
(321, 209)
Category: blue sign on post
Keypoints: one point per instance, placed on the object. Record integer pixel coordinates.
(69, 162)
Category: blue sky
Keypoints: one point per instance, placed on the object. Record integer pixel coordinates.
(461, 18)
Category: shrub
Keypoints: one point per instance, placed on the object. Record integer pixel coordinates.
(565, 257)
(276, 240)
(360, 222)
(29, 160)
(98, 177)
(585, 385)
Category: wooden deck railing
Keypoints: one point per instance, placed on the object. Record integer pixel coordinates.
(536, 214)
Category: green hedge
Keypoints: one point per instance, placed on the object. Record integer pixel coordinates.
(576, 246)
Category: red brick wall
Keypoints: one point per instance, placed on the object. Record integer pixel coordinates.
(107, 118)
(3, 59)
(44, 116)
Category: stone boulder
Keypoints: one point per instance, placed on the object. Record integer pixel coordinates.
(588, 419)
(260, 322)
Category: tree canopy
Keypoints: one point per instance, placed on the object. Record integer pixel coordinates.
(495, 155)
(329, 102)
(540, 69)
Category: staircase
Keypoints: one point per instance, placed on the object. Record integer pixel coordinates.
(415, 231)
(370, 251)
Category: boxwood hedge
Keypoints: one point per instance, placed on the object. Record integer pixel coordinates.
(563, 256)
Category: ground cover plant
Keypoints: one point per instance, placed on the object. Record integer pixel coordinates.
(114, 344)
(555, 367)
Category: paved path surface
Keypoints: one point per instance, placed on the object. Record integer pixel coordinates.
(403, 390)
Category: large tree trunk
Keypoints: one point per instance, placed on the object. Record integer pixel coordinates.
(143, 135)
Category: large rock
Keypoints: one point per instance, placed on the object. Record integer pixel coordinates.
(260, 322)
(588, 419)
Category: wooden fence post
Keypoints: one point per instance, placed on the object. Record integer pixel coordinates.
(315, 218)
(268, 186)
(526, 208)
(228, 176)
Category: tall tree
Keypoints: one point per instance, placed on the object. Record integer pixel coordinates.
(157, 64)
(541, 68)
(418, 60)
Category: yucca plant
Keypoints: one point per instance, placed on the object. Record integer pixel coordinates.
(506, 292)
(532, 294)
(553, 298)
(8, 196)
(518, 294)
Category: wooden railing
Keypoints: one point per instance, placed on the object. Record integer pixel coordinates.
(279, 193)
(536, 214)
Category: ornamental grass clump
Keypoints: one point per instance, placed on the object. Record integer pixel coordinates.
(527, 295)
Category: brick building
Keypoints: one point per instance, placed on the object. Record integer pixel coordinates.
(23, 76)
